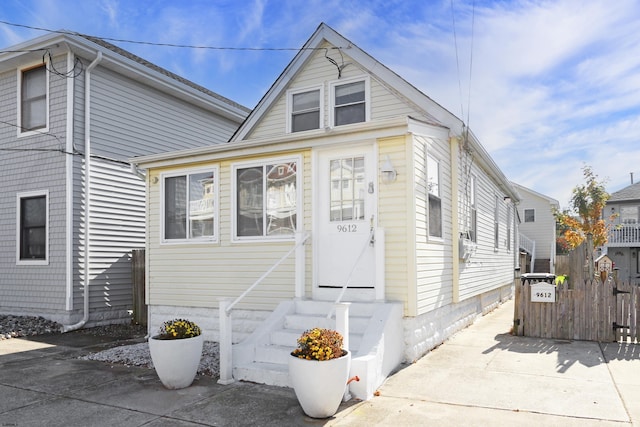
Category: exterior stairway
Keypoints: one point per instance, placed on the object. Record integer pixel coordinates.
(375, 340)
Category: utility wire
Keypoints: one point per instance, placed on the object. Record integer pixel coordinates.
(455, 43)
(111, 39)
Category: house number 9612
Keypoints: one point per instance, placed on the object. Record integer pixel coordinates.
(348, 228)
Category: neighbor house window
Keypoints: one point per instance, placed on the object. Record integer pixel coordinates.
(32, 209)
(305, 108)
(629, 214)
(435, 202)
(266, 199)
(33, 104)
(349, 102)
(529, 215)
(190, 206)
(509, 221)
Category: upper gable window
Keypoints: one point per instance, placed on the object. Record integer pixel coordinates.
(350, 102)
(305, 109)
(33, 105)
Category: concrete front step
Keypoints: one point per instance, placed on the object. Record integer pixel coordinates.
(304, 322)
(263, 373)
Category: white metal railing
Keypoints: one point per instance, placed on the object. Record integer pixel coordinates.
(528, 245)
(226, 342)
(624, 235)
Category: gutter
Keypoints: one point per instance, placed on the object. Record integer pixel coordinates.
(87, 198)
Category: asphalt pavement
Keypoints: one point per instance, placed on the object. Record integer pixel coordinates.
(482, 376)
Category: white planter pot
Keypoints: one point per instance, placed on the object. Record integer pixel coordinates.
(176, 361)
(319, 385)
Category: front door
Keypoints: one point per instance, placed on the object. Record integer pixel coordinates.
(344, 217)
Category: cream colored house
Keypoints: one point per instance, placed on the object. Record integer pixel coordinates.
(357, 187)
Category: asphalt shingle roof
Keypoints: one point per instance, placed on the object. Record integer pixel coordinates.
(632, 192)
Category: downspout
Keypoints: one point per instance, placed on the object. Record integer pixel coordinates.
(455, 227)
(87, 199)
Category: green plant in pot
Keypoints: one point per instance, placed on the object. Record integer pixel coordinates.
(176, 351)
(319, 371)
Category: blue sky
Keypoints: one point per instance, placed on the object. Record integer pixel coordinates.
(547, 86)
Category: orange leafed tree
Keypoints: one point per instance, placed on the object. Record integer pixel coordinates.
(585, 214)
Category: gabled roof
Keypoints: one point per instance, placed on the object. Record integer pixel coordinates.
(325, 33)
(524, 189)
(430, 108)
(123, 62)
(629, 193)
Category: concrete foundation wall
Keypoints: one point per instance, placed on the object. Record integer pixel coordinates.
(425, 332)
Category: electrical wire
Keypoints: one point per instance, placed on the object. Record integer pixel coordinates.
(455, 43)
(187, 46)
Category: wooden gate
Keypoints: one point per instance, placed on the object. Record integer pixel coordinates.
(590, 310)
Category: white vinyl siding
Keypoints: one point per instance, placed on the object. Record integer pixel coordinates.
(129, 119)
(543, 227)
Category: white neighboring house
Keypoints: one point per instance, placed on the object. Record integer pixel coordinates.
(73, 110)
(537, 230)
(403, 212)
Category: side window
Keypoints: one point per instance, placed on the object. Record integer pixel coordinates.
(305, 110)
(509, 221)
(349, 101)
(496, 223)
(190, 206)
(33, 233)
(33, 104)
(435, 203)
(266, 200)
(473, 232)
(529, 215)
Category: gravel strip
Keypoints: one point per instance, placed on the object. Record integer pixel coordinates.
(127, 355)
(138, 355)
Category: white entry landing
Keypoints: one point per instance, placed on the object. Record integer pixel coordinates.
(375, 341)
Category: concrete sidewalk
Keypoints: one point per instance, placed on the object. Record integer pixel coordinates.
(480, 377)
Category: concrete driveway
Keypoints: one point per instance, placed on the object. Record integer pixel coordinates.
(482, 376)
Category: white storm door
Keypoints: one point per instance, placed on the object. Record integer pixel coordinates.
(345, 214)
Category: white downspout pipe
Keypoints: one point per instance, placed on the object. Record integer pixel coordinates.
(87, 187)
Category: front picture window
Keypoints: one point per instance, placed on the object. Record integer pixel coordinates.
(267, 200)
(190, 206)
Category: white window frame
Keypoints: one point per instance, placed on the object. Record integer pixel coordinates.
(216, 214)
(439, 196)
(367, 98)
(26, 195)
(524, 212)
(45, 129)
(496, 223)
(291, 93)
(234, 199)
(509, 227)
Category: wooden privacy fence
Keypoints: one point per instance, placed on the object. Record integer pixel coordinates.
(138, 281)
(590, 310)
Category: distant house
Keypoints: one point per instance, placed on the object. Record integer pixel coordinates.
(537, 230)
(351, 185)
(73, 109)
(623, 243)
